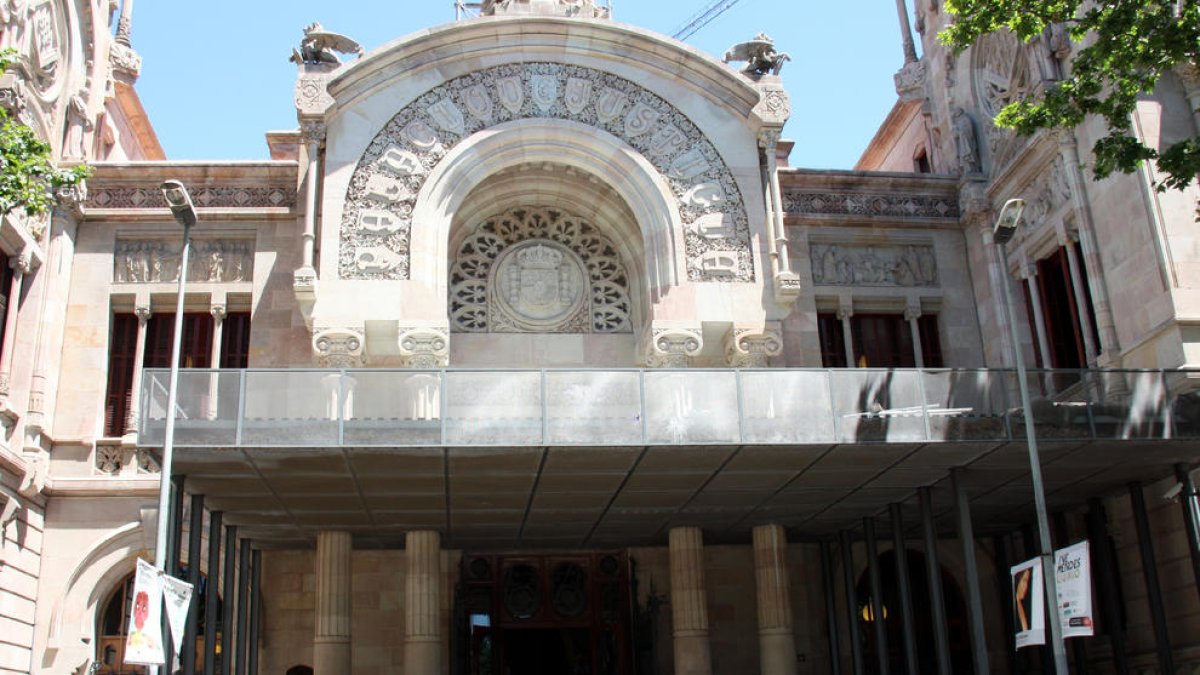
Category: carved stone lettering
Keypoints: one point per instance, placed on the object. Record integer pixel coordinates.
(545, 91)
(713, 226)
(478, 103)
(667, 141)
(511, 92)
(386, 189)
(375, 259)
(402, 162)
(641, 119)
(704, 195)
(719, 263)
(578, 94)
(377, 221)
(421, 135)
(689, 165)
(447, 116)
(610, 104)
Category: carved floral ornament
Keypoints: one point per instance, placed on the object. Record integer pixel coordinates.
(538, 270)
(37, 30)
(376, 223)
(1001, 76)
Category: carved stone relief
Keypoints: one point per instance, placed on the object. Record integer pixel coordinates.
(846, 265)
(1001, 76)
(538, 270)
(149, 261)
(802, 203)
(1048, 191)
(205, 197)
(395, 165)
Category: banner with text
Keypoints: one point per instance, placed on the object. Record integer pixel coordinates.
(178, 595)
(1029, 603)
(144, 645)
(1073, 572)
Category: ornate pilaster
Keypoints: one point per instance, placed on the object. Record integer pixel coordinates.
(776, 645)
(425, 348)
(304, 280)
(331, 638)
(339, 348)
(422, 608)
(752, 347)
(673, 347)
(689, 604)
(142, 312)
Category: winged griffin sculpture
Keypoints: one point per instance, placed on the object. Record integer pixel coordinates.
(320, 47)
(760, 56)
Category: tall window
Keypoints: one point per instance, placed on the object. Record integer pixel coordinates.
(879, 341)
(1065, 321)
(195, 352)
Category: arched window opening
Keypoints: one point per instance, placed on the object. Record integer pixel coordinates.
(113, 629)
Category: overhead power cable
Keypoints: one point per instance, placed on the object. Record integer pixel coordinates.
(703, 18)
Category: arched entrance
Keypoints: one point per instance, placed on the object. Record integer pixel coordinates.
(956, 617)
(112, 629)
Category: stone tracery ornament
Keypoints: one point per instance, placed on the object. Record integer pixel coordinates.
(423, 132)
(538, 270)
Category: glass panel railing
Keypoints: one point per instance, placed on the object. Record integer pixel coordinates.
(593, 407)
(387, 408)
(691, 406)
(786, 406)
(493, 408)
(878, 405)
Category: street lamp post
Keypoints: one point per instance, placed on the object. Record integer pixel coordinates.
(185, 214)
(1006, 227)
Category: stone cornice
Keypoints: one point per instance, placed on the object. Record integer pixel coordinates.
(848, 196)
(213, 185)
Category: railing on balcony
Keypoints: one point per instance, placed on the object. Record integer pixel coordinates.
(406, 408)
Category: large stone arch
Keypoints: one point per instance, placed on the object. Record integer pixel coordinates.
(605, 124)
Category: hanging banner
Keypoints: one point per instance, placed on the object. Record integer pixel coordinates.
(1029, 603)
(1072, 569)
(178, 595)
(144, 645)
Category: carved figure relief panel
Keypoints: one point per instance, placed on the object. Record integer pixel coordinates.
(1001, 76)
(538, 271)
(375, 232)
(149, 261)
(854, 265)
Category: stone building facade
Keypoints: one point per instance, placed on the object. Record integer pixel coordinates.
(527, 351)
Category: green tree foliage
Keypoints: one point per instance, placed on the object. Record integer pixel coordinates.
(1128, 46)
(28, 176)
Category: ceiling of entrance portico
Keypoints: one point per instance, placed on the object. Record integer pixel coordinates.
(579, 497)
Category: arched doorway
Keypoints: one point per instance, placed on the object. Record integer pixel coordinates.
(113, 628)
(956, 617)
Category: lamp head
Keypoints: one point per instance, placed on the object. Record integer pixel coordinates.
(1009, 219)
(180, 202)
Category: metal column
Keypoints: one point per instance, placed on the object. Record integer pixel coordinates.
(255, 611)
(1004, 555)
(171, 559)
(212, 590)
(195, 542)
(243, 604)
(1158, 616)
(1108, 587)
(877, 617)
(933, 571)
(851, 600)
(966, 535)
(229, 592)
(1191, 517)
(835, 649)
(911, 667)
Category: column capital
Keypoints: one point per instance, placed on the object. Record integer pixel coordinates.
(425, 347)
(22, 262)
(752, 347)
(912, 313)
(339, 348)
(845, 311)
(143, 313)
(218, 311)
(673, 347)
(313, 132)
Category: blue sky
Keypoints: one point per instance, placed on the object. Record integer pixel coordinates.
(216, 77)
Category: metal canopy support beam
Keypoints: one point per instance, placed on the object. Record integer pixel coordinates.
(1191, 518)
(195, 542)
(1108, 587)
(1002, 545)
(835, 648)
(1158, 616)
(851, 600)
(212, 593)
(911, 667)
(228, 589)
(933, 572)
(255, 611)
(966, 535)
(876, 615)
(243, 603)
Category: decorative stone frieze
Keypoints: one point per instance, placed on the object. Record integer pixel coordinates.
(673, 347)
(339, 348)
(752, 347)
(212, 197)
(805, 203)
(538, 270)
(143, 261)
(376, 221)
(108, 459)
(147, 461)
(425, 348)
(856, 265)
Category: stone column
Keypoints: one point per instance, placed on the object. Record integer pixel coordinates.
(214, 360)
(21, 265)
(125, 23)
(331, 641)
(142, 311)
(844, 312)
(1029, 272)
(1081, 298)
(911, 315)
(422, 604)
(689, 603)
(776, 645)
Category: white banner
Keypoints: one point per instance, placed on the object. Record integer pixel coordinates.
(1029, 603)
(178, 595)
(144, 645)
(1072, 570)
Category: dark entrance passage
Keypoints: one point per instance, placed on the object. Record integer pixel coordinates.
(551, 614)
